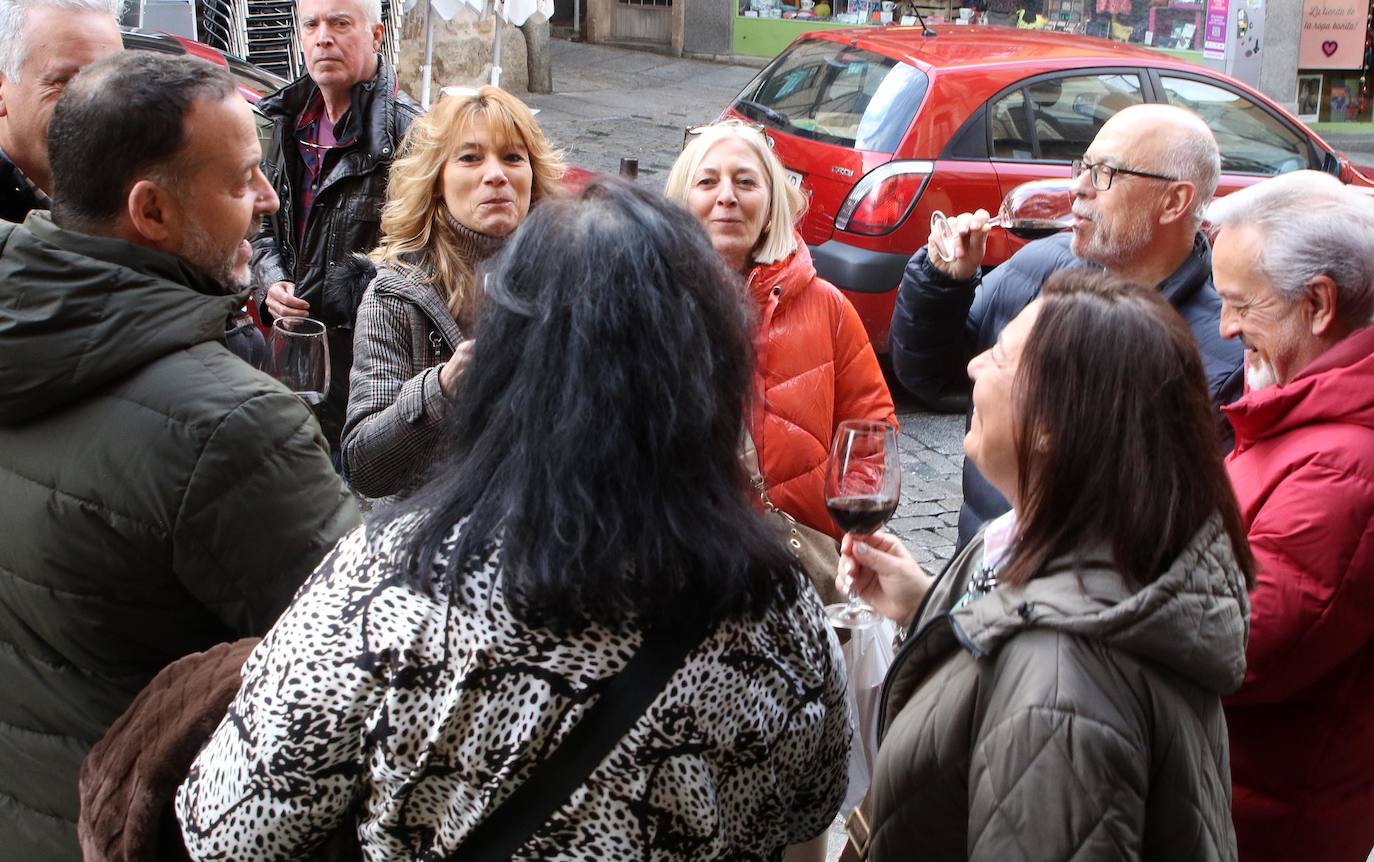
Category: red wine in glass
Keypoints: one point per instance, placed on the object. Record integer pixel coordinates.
(863, 482)
(1032, 210)
(860, 514)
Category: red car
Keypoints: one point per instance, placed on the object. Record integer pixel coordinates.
(881, 126)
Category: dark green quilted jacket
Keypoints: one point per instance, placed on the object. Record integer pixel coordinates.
(1071, 719)
(157, 496)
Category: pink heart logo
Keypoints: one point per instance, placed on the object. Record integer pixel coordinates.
(1329, 47)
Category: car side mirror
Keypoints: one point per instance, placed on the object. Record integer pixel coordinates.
(1331, 164)
(1084, 105)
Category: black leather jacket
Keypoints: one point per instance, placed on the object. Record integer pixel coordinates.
(345, 218)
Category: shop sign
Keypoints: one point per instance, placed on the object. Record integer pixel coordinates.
(1214, 34)
(1332, 34)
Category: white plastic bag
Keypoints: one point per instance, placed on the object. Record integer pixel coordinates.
(867, 656)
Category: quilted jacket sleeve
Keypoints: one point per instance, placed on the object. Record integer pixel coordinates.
(1047, 783)
(932, 332)
(1313, 602)
(860, 391)
(395, 410)
(263, 506)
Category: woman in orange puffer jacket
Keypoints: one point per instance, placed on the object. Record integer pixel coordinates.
(816, 367)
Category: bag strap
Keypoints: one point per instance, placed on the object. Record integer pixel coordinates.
(626, 697)
(749, 455)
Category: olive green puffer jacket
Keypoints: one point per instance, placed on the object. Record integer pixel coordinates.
(1073, 718)
(157, 496)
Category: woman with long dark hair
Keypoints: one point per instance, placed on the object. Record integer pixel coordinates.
(593, 509)
(1059, 695)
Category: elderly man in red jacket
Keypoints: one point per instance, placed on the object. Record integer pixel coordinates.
(1294, 264)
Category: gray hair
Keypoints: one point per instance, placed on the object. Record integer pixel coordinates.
(1309, 224)
(14, 43)
(372, 10)
(1193, 157)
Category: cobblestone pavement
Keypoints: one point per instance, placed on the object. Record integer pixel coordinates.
(611, 103)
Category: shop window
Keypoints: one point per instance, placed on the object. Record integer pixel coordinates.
(1251, 140)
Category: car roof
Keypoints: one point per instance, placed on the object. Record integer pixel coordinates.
(245, 73)
(955, 47)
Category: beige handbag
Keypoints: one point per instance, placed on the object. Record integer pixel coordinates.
(817, 553)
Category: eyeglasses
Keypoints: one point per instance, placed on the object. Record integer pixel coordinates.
(688, 134)
(1101, 174)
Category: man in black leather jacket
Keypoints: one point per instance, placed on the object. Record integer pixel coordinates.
(1138, 203)
(336, 131)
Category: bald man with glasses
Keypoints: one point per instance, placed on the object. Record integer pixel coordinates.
(1139, 194)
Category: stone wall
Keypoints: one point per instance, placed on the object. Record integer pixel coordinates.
(462, 53)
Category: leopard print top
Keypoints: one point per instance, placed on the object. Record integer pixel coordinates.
(415, 715)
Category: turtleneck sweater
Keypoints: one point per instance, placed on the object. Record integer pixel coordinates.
(474, 247)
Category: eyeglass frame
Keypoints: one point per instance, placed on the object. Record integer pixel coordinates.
(692, 131)
(1077, 166)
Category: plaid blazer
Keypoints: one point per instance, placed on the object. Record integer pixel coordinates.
(396, 410)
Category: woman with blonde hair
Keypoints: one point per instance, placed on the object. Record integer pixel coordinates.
(465, 179)
(815, 367)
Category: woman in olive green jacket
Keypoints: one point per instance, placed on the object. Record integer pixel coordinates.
(1059, 696)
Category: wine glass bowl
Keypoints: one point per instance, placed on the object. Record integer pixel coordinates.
(1032, 210)
(863, 483)
(298, 356)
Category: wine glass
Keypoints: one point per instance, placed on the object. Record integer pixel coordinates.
(1032, 210)
(863, 483)
(298, 356)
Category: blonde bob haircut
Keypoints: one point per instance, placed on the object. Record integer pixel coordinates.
(786, 204)
(415, 222)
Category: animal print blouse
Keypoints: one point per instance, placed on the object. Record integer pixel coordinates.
(414, 716)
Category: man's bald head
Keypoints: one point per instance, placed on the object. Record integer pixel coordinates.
(1169, 140)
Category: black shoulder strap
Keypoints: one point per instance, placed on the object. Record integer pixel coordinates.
(626, 697)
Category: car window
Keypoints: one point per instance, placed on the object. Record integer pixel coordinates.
(1066, 113)
(837, 94)
(1251, 140)
(1010, 131)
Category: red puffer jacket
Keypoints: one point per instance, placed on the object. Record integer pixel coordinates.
(815, 369)
(1302, 724)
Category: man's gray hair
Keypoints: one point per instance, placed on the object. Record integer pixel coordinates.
(372, 10)
(14, 43)
(1193, 157)
(1309, 224)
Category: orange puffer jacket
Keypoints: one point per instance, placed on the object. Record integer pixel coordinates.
(816, 368)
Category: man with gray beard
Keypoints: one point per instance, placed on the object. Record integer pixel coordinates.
(1139, 195)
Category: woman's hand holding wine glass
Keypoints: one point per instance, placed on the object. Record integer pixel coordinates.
(881, 571)
(863, 483)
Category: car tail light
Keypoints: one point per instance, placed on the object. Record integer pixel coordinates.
(883, 198)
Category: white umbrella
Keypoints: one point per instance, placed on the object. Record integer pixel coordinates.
(513, 11)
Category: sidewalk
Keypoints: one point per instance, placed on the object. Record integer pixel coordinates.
(610, 103)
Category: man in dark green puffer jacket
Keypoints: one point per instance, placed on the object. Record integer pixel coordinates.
(157, 494)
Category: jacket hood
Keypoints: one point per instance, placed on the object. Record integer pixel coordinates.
(1338, 386)
(1194, 619)
(788, 275)
(79, 311)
